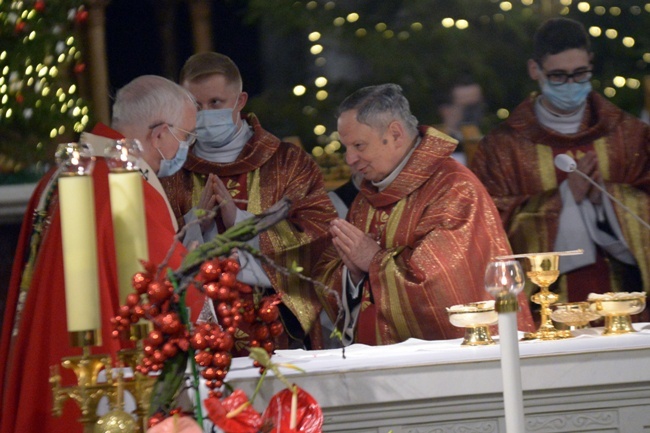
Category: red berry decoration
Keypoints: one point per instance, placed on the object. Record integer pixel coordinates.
(230, 265)
(209, 271)
(244, 318)
(227, 279)
(39, 6)
(140, 282)
(159, 292)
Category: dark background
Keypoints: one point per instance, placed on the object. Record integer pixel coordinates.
(135, 30)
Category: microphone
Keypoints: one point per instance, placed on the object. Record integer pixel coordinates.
(567, 164)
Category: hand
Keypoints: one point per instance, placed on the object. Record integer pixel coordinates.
(579, 186)
(207, 201)
(595, 195)
(355, 247)
(226, 203)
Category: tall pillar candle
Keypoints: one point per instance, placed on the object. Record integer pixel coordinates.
(504, 279)
(77, 207)
(129, 226)
(511, 373)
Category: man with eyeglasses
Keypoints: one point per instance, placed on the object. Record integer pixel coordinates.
(161, 115)
(546, 209)
(241, 169)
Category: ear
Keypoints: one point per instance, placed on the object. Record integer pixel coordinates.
(396, 131)
(156, 135)
(534, 70)
(241, 102)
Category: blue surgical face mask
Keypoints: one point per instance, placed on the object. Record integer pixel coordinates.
(171, 166)
(215, 128)
(568, 96)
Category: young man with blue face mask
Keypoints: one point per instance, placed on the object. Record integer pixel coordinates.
(546, 209)
(242, 170)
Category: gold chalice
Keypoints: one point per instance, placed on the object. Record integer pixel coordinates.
(617, 308)
(574, 315)
(544, 270)
(475, 317)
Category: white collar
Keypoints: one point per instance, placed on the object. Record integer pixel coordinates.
(562, 123)
(385, 182)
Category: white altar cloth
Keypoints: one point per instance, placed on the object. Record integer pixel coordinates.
(583, 384)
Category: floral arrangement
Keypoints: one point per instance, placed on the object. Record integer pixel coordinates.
(246, 321)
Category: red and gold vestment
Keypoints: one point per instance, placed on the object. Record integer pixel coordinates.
(438, 229)
(515, 162)
(265, 171)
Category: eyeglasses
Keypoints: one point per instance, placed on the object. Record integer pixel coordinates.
(559, 78)
(190, 138)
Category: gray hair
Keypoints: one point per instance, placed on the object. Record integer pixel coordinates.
(148, 100)
(377, 106)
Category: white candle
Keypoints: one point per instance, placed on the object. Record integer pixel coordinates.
(77, 207)
(129, 227)
(511, 374)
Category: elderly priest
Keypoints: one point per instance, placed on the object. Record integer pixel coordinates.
(34, 334)
(418, 236)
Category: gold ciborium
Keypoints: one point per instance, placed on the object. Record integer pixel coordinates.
(475, 317)
(574, 315)
(617, 308)
(544, 270)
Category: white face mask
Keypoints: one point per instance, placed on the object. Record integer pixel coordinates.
(215, 128)
(171, 166)
(568, 96)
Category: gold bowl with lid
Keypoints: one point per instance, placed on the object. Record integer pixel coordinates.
(617, 309)
(476, 318)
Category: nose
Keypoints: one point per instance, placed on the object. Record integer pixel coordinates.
(351, 158)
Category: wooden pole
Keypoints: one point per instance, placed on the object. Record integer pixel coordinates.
(97, 62)
(201, 17)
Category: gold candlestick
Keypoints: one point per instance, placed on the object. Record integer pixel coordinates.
(87, 392)
(141, 386)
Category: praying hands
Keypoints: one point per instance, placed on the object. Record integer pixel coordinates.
(215, 193)
(355, 247)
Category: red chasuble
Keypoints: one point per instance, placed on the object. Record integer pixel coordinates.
(266, 171)
(34, 331)
(515, 162)
(438, 229)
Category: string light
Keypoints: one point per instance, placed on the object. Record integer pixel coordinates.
(503, 9)
(36, 51)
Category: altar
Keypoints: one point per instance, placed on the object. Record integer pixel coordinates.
(589, 383)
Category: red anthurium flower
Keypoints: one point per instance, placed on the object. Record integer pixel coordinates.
(308, 414)
(233, 414)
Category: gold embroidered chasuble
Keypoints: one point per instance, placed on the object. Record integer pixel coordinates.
(438, 229)
(515, 162)
(265, 171)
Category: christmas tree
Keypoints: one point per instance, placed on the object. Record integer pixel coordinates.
(40, 64)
